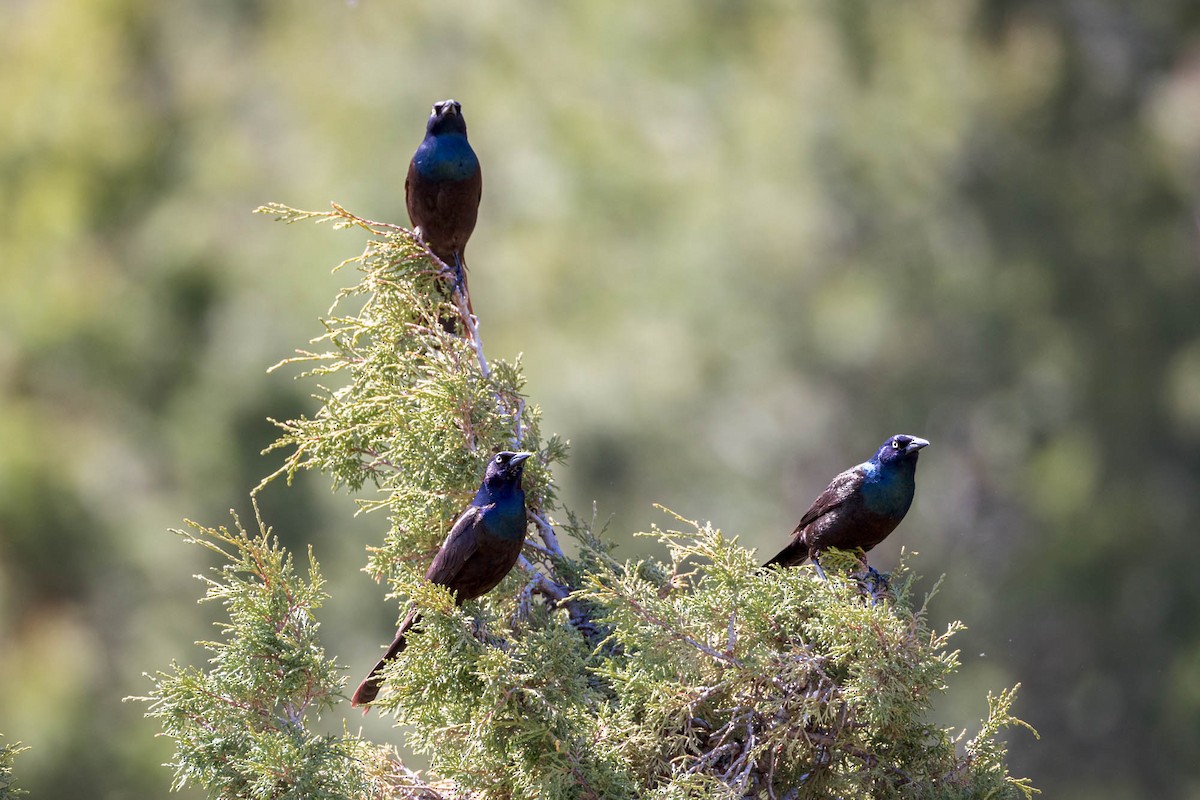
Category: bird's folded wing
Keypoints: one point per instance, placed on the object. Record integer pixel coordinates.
(839, 489)
(461, 543)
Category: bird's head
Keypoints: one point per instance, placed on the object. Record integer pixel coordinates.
(446, 118)
(505, 468)
(900, 448)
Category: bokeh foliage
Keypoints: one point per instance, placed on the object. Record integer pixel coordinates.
(737, 245)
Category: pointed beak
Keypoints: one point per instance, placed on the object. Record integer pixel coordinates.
(519, 458)
(916, 444)
(447, 108)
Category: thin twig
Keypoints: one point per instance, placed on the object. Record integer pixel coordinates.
(406, 779)
(732, 632)
(546, 531)
(541, 550)
(560, 595)
(367, 223)
(472, 327)
(524, 601)
(518, 417)
(545, 585)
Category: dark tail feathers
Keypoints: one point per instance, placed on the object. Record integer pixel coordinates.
(369, 688)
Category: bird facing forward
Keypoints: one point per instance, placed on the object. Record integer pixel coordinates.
(861, 506)
(481, 548)
(444, 186)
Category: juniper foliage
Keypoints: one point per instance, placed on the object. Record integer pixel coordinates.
(580, 676)
(241, 725)
(8, 754)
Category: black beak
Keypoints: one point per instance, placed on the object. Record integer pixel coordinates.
(916, 444)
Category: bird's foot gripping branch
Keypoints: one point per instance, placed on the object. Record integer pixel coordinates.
(577, 676)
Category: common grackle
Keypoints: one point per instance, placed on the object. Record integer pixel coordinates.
(861, 506)
(479, 551)
(443, 188)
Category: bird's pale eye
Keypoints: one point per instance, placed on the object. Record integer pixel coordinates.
(895, 444)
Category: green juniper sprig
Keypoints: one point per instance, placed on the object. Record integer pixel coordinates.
(8, 754)
(241, 726)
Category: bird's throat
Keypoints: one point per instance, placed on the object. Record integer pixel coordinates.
(504, 512)
(889, 491)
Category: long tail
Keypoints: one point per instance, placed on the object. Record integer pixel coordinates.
(369, 688)
(793, 555)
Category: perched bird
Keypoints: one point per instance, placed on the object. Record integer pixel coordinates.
(479, 551)
(443, 188)
(861, 506)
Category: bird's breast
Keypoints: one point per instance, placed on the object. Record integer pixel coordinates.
(505, 519)
(888, 495)
(446, 158)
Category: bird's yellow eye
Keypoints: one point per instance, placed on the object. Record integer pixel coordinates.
(895, 444)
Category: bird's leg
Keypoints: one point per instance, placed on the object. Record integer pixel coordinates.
(459, 272)
(874, 584)
(817, 566)
(880, 588)
(877, 578)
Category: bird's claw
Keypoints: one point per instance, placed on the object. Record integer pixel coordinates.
(873, 584)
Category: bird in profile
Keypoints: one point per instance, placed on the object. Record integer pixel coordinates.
(860, 507)
(481, 548)
(443, 189)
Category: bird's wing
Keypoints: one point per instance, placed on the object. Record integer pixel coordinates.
(408, 190)
(461, 543)
(835, 494)
(416, 215)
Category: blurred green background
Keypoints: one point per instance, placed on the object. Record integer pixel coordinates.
(738, 244)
